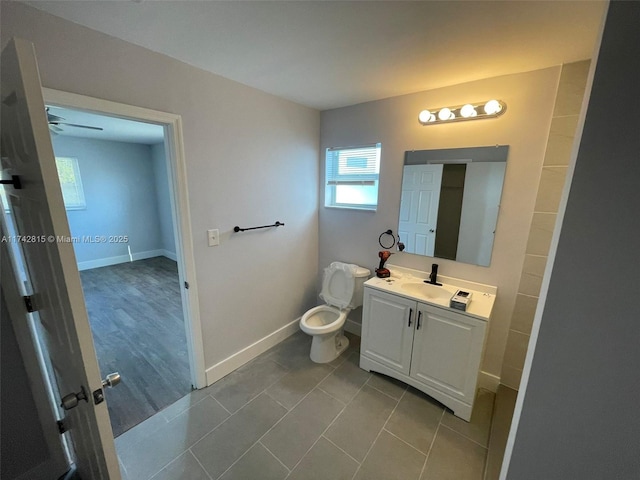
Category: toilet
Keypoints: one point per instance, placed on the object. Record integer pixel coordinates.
(342, 291)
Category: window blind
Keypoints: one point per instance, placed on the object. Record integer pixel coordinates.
(352, 176)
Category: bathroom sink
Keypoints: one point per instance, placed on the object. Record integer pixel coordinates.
(426, 290)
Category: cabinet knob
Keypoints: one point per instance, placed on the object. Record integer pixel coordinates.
(410, 313)
(419, 318)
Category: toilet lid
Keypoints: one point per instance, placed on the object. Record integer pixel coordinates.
(338, 284)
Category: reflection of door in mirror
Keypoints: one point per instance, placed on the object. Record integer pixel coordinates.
(419, 208)
(449, 211)
(480, 205)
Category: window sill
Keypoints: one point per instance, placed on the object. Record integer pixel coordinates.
(360, 209)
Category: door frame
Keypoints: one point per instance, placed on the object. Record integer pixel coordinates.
(178, 192)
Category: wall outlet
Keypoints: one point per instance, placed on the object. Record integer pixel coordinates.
(214, 237)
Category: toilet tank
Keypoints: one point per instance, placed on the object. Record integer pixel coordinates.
(361, 276)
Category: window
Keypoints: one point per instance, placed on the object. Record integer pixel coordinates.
(352, 176)
(69, 175)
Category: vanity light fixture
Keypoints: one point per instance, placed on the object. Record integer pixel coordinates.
(469, 111)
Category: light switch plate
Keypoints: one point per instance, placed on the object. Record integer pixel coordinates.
(214, 237)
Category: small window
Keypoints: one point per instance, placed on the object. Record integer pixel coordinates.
(70, 182)
(352, 176)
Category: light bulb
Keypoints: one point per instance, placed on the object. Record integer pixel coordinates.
(445, 114)
(492, 107)
(468, 110)
(425, 116)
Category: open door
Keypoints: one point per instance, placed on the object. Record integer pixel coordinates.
(41, 248)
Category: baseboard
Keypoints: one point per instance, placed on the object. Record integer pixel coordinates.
(229, 364)
(105, 262)
(488, 381)
(170, 255)
(353, 327)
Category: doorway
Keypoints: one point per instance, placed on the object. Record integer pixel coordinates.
(119, 175)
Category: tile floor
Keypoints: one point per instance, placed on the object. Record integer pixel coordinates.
(282, 416)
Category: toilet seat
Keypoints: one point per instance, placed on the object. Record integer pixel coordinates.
(325, 323)
(312, 321)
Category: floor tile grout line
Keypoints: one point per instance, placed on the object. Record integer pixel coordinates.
(404, 441)
(486, 447)
(274, 361)
(148, 434)
(288, 370)
(330, 425)
(257, 394)
(364, 459)
(339, 448)
(175, 459)
(237, 460)
(384, 393)
(324, 391)
(259, 440)
(219, 425)
(223, 407)
(232, 414)
(274, 456)
(433, 441)
(200, 463)
(186, 409)
(278, 402)
(188, 448)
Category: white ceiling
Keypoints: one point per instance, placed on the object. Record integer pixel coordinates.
(113, 128)
(328, 54)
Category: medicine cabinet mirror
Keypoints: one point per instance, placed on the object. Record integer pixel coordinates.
(450, 201)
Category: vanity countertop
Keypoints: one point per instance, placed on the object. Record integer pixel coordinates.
(409, 283)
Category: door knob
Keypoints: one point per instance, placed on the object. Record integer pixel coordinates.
(71, 400)
(111, 380)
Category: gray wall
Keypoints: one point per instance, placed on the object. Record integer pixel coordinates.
(120, 192)
(251, 159)
(163, 200)
(579, 416)
(352, 236)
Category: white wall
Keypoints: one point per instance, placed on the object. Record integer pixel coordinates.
(252, 158)
(353, 235)
(119, 186)
(579, 408)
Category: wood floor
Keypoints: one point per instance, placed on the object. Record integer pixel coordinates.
(135, 313)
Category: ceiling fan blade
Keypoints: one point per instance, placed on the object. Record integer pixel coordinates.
(78, 126)
(54, 128)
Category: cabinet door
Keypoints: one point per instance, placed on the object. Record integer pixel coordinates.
(447, 351)
(387, 329)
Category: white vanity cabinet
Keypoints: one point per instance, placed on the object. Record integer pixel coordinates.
(436, 350)
(387, 332)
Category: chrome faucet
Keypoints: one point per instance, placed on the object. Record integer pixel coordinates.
(433, 276)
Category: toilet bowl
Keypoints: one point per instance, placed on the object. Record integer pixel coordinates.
(342, 290)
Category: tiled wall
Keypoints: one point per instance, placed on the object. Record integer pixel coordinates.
(573, 79)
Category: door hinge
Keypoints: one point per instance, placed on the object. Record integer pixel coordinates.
(28, 302)
(62, 427)
(186, 285)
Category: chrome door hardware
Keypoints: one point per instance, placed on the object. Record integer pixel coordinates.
(111, 380)
(71, 400)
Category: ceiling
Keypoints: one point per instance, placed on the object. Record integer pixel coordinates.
(113, 128)
(328, 54)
